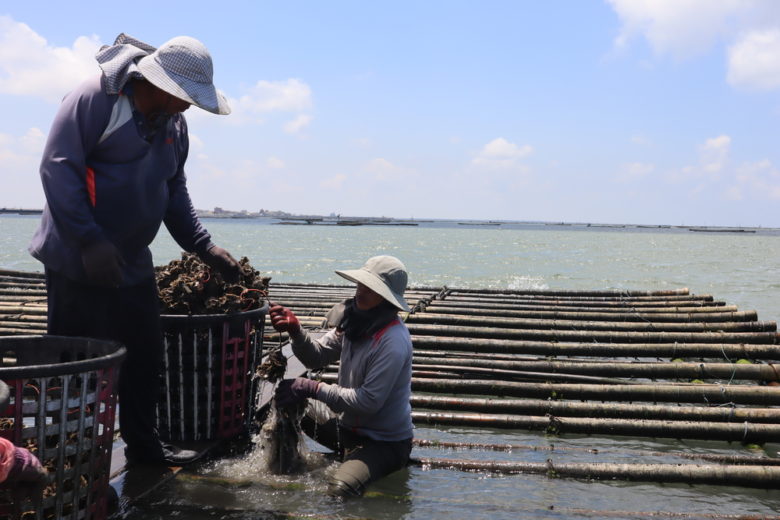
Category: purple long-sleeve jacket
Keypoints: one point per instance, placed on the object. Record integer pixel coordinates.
(104, 181)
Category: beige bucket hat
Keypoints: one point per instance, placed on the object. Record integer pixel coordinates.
(385, 275)
(182, 67)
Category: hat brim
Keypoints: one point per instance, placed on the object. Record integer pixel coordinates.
(376, 284)
(202, 95)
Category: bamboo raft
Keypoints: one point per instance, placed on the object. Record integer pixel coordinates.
(563, 365)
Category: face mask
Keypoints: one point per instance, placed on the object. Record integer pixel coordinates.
(157, 120)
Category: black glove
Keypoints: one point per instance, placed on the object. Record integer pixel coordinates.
(103, 264)
(222, 261)
(293, 391)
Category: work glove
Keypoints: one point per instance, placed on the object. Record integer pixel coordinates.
(223, 262)
(293, 391)
(283, 320)
(102, 264)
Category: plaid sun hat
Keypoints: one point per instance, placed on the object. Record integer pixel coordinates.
(182, 67)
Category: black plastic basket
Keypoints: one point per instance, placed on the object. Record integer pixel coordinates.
(62, 407)
(207, 384)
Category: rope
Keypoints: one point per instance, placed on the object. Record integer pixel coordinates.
(734, 371)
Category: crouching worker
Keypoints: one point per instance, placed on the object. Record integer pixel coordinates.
(367, 420)
(20, 470)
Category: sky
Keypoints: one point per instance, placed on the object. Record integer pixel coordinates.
(608, 111)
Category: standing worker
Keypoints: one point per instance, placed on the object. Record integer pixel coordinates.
(113, 171)
(371, 429)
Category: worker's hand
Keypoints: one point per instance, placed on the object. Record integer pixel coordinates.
(293, 391)
(223, 262)
(103, 264)
(283, 320)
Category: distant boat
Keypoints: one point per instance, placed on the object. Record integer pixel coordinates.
(722, 230)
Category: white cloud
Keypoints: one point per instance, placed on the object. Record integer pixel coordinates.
(714, 154)
(292, 95)
(297, 124)
(20, 157)
(680, 28)
(758, 179)
(500, 153)
(381, 168)
(686, 28)
(713, 160)
(641, 140)
(362, 142)
(29, 66)
(634, 171)
(334, 182)
(754, 61)
(261, 101)
(274, 163)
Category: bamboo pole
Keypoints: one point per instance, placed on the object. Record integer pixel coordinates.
(18, 284)
(22, 309)
(611, 326)
(23, 292)
(13, 318)
(35, 325)
(734, 475)
(662, 317)
(12, 331)
(595, 307)
(710, 457)
(576, 298)
(614, 293)
(21, 274)
(594, 336)
(611, 368)
(728, 414)
(710, 395)
(602, 513)
(456, 371)
(680, 393)
(550, 348)
(745, 432)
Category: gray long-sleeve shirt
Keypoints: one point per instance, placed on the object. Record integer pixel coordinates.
(118, 187)
(374, 381)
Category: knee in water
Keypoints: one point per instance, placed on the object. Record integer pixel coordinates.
(339, 488)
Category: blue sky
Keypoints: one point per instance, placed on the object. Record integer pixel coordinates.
(619, 111)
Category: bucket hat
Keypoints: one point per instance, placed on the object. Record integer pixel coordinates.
(385, 275)
(182, 67)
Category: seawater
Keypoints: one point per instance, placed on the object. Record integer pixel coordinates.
(741, 269)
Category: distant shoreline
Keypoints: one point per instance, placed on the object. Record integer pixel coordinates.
(319, 220)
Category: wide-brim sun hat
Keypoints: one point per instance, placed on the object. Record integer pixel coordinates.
(182, 67)
(385, 275)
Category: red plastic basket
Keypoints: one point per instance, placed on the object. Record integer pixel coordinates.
(62, 408)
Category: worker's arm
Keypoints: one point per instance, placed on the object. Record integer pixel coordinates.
(76, 129)
(384, 366)
(180, 217)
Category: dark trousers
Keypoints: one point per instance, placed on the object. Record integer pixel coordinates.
(365, 460)
(130, 315)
